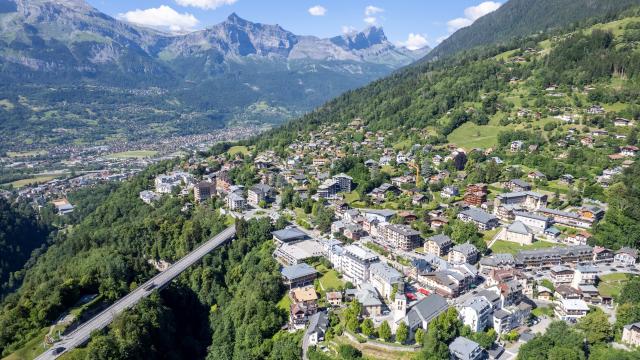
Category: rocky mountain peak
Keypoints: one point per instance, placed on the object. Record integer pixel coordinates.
(373, 35)
(233, 18)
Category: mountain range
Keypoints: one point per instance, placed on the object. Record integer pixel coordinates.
(54, 40)
(54, 51)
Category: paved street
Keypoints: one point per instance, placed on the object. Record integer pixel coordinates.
(83, 333)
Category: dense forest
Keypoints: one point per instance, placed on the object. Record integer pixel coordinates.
(518, 18)
(105, 254)
(223, 308)
(21, 232)
(621, 226)
(227, 302)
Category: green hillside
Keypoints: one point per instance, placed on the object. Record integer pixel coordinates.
(519, 18)
(487, 88)
(538, 92)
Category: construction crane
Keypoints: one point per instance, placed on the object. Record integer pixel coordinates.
(415, 166)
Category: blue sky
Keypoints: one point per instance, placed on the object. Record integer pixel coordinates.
(409, 22)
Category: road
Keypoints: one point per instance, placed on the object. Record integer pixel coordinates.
(305, 344)
(82, 334)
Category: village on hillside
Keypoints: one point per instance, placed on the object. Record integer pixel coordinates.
(377, 240)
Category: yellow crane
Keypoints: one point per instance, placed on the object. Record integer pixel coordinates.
(415, 166)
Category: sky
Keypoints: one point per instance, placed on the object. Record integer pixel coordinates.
(410, 23)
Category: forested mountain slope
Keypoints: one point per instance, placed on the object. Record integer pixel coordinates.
(518, 18)
(431, 95)
(20, 233)
(230, 297)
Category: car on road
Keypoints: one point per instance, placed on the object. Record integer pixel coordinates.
(150, 287)
(58, 350)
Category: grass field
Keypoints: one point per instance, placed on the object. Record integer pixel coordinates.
(330, 280)
(34, 180)
(238, 150)
(611, 284)
(133, 154)
(351, 197)
(470, 135)
(75, 354)
(371, 352)
(488, 235)
(388, 169)
(502, 246)
(543, 310)
(31, 349)
(506, 55)
(284, 303)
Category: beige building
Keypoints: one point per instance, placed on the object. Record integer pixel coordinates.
(334, 298)
(631, 334)
(401, 236)
(204, 190)
(306, 295)
(438, 245)
(463, 253)
(518, 233)
(561, 275)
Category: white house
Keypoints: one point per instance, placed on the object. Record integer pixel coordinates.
(626, 256)
(571, 309)
(476, 313)
(383, 277)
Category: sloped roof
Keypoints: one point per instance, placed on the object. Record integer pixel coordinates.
(426, 309)
(519, 228)
(440, 239)
(297, 271)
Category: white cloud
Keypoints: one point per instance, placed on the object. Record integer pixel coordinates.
(317, 10)
(472, 14)
(348, 29)
(476, 12)
(415, 41)
(369, 13)
(372, 10)
(205, 4)
(458, 23)
(371, 20)
(163, 18)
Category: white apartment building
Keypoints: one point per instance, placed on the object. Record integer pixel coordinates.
(356, 262)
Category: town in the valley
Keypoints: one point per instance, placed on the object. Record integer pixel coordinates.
(379, 263)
